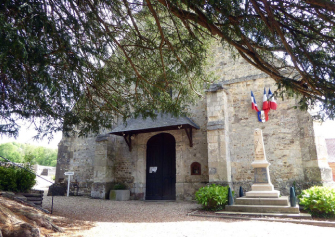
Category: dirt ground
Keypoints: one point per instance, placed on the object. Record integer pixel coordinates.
(83, 216)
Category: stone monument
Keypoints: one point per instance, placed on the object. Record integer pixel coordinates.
(263, 198)
(262, 186)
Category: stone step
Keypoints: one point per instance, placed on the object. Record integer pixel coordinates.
(262, 208)
(263, 194)
(281, 201)
(260, 214)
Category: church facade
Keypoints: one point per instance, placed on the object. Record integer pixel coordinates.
(171, 158)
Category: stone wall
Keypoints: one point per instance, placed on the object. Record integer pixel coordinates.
(223, 145)
(281, 136)
(77, 155)
(289, 140)
(131, 166)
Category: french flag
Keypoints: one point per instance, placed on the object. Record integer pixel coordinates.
(253, 102)
(272, 102)
(263, 116)
(266, 106)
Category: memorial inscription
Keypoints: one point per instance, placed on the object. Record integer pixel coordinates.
(260, 175)
(259, 147)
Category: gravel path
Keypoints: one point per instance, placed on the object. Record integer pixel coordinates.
(139, 218)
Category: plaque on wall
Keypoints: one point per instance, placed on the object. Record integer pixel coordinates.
(261, 175)
(152, 170)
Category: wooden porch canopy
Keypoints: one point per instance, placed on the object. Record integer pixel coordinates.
(163, 122)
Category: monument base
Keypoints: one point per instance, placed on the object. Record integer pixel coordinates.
(263, 194)
(262, 187)
(262, 198)
(266, 190)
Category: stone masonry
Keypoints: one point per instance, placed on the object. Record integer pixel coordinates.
(223, 145)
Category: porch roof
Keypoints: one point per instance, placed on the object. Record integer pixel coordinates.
(163, 122)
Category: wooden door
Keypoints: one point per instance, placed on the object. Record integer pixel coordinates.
(161, 168)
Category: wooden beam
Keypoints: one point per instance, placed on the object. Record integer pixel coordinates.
(127, 138)
(189, 135)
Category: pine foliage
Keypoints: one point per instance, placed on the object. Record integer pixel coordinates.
(82, 64)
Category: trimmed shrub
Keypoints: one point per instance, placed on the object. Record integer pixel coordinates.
(213, 197)
(24, 180)
(7, 178)
(319, 201)
(120, 186)
(15, 179)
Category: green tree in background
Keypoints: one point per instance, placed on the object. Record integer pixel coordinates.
(12, 151)
(19, 153)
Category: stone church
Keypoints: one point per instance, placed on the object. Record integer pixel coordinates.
(171, 158)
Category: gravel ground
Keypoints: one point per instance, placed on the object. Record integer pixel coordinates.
(139, 218)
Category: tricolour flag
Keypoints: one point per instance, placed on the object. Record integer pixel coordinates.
(263, 116)
(272, 102)
(253, 102)
(266, 106)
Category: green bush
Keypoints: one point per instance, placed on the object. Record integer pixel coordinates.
(16, 179)
(319, 201)
(120, 186)
(25, 180)
(213, 197)
(7, 178)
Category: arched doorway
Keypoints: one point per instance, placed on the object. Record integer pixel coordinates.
(161, 168)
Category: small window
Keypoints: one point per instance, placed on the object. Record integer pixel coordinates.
(195, 168)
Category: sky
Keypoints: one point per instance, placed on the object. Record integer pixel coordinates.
(328, 129)
(26, 136)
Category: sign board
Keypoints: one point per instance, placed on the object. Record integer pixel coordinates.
(152, 170)
(68, 180)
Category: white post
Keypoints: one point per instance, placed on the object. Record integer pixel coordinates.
(68, 184)
(68, 180)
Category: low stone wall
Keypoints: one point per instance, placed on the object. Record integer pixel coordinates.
(44, 170)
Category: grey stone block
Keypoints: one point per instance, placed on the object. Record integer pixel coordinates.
(119, 195)
(215, 87)
(102, 137)
(9, 195)
(215, 125)
(281, 201)
(20, 197)
(100, 190)
(262, 208)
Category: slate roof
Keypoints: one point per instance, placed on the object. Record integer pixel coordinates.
(163, 122)
(331, 149)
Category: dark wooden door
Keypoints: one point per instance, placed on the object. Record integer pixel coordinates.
(161, 168)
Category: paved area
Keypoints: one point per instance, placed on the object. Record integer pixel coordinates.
(139, 218)
(207, 228)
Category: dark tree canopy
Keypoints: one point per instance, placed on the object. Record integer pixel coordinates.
(84, 63)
